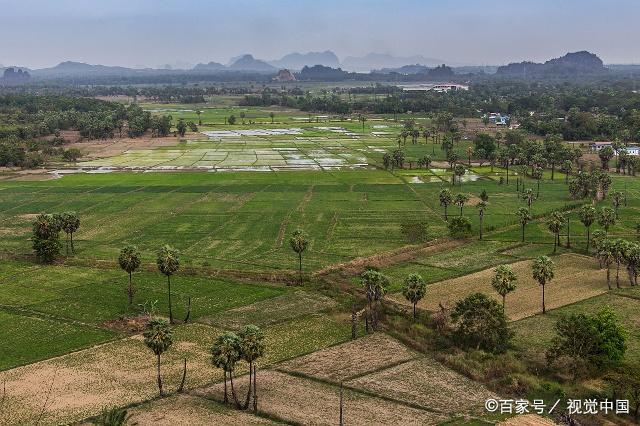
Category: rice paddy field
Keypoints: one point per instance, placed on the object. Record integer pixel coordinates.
(228, 198)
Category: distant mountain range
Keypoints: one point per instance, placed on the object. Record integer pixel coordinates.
(570, 65)
(412, 67)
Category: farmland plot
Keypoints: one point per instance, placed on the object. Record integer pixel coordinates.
(577, 278)
(308, 402)
(428, 383)
(351, 359)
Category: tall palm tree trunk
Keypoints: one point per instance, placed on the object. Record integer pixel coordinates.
(544, 308)
(255, 390)
(226, 394)
(130, 290)
(588, 239)
(523, 232)
(170, 310)
(233, 391)
(609, 277)
(248, 398)
(300, 266)
(481, 228)
(159, 378)
(617, 274)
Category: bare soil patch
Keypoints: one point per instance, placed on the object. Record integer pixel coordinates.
(111, 147)
(527, 420)
(308, 402)
(577, 278)
(428, 383)
(128, 324)
(192, 410)
(351, 359)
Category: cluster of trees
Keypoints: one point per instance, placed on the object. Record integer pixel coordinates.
(46, 234)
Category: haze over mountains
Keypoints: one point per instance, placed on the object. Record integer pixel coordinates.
(571, 64)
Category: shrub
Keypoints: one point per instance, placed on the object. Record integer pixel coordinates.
(480, 323)
(459, 227)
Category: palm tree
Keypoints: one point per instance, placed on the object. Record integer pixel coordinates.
(528, 197)
(606, 257)
(252, 347)
(299, 243)
(375, 287)
(482, 206)
(198, 112)
(69, 222)
(413, 290)
(632, 258)
(504, 282)
(272, 115)
(524, 217)
(242, 116)
(587, 217)
(158, 338)
(537, 174)
(362, 119)
(460, 201)
(543, 272)
(446, 198)
(469, 151)
(129, 261)
(616, 199)
(226, 353)
(555, 224)
(168, 263)
(459, 170)
(114, 417)
(618, 249)
(606, 218)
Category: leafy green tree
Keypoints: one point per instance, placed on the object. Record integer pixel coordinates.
(481, 323)
(587, 217)
(543, 270)
(299, 243)
(129, 261)
(252, 347)
(226, 353)
(484, 196)
(606, 218)
(460, 200)
(232, 119)
(555, 223)
(446, 199)
(158, 337)
(46, 237)
(482, 206)
(413, 290)
(524, 217)
(69, 222)
(504, 281)
(168, 262)
(375, 287)
(588, 340)
(459, 227)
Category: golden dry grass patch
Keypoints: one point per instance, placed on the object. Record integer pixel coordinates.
(428, 383)
(527, 420)
(351, 359)
(304, 401)
(576, 278)
(193, 411)
(78, 385)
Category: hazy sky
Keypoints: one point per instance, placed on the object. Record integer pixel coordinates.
(39, 33)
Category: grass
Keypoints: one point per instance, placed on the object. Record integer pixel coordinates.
(29, 339)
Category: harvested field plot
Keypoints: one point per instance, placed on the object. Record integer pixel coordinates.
(428, 383)
(351, 359)
(577, 278)
(308, 402)
(193, 411)
(272, 311)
